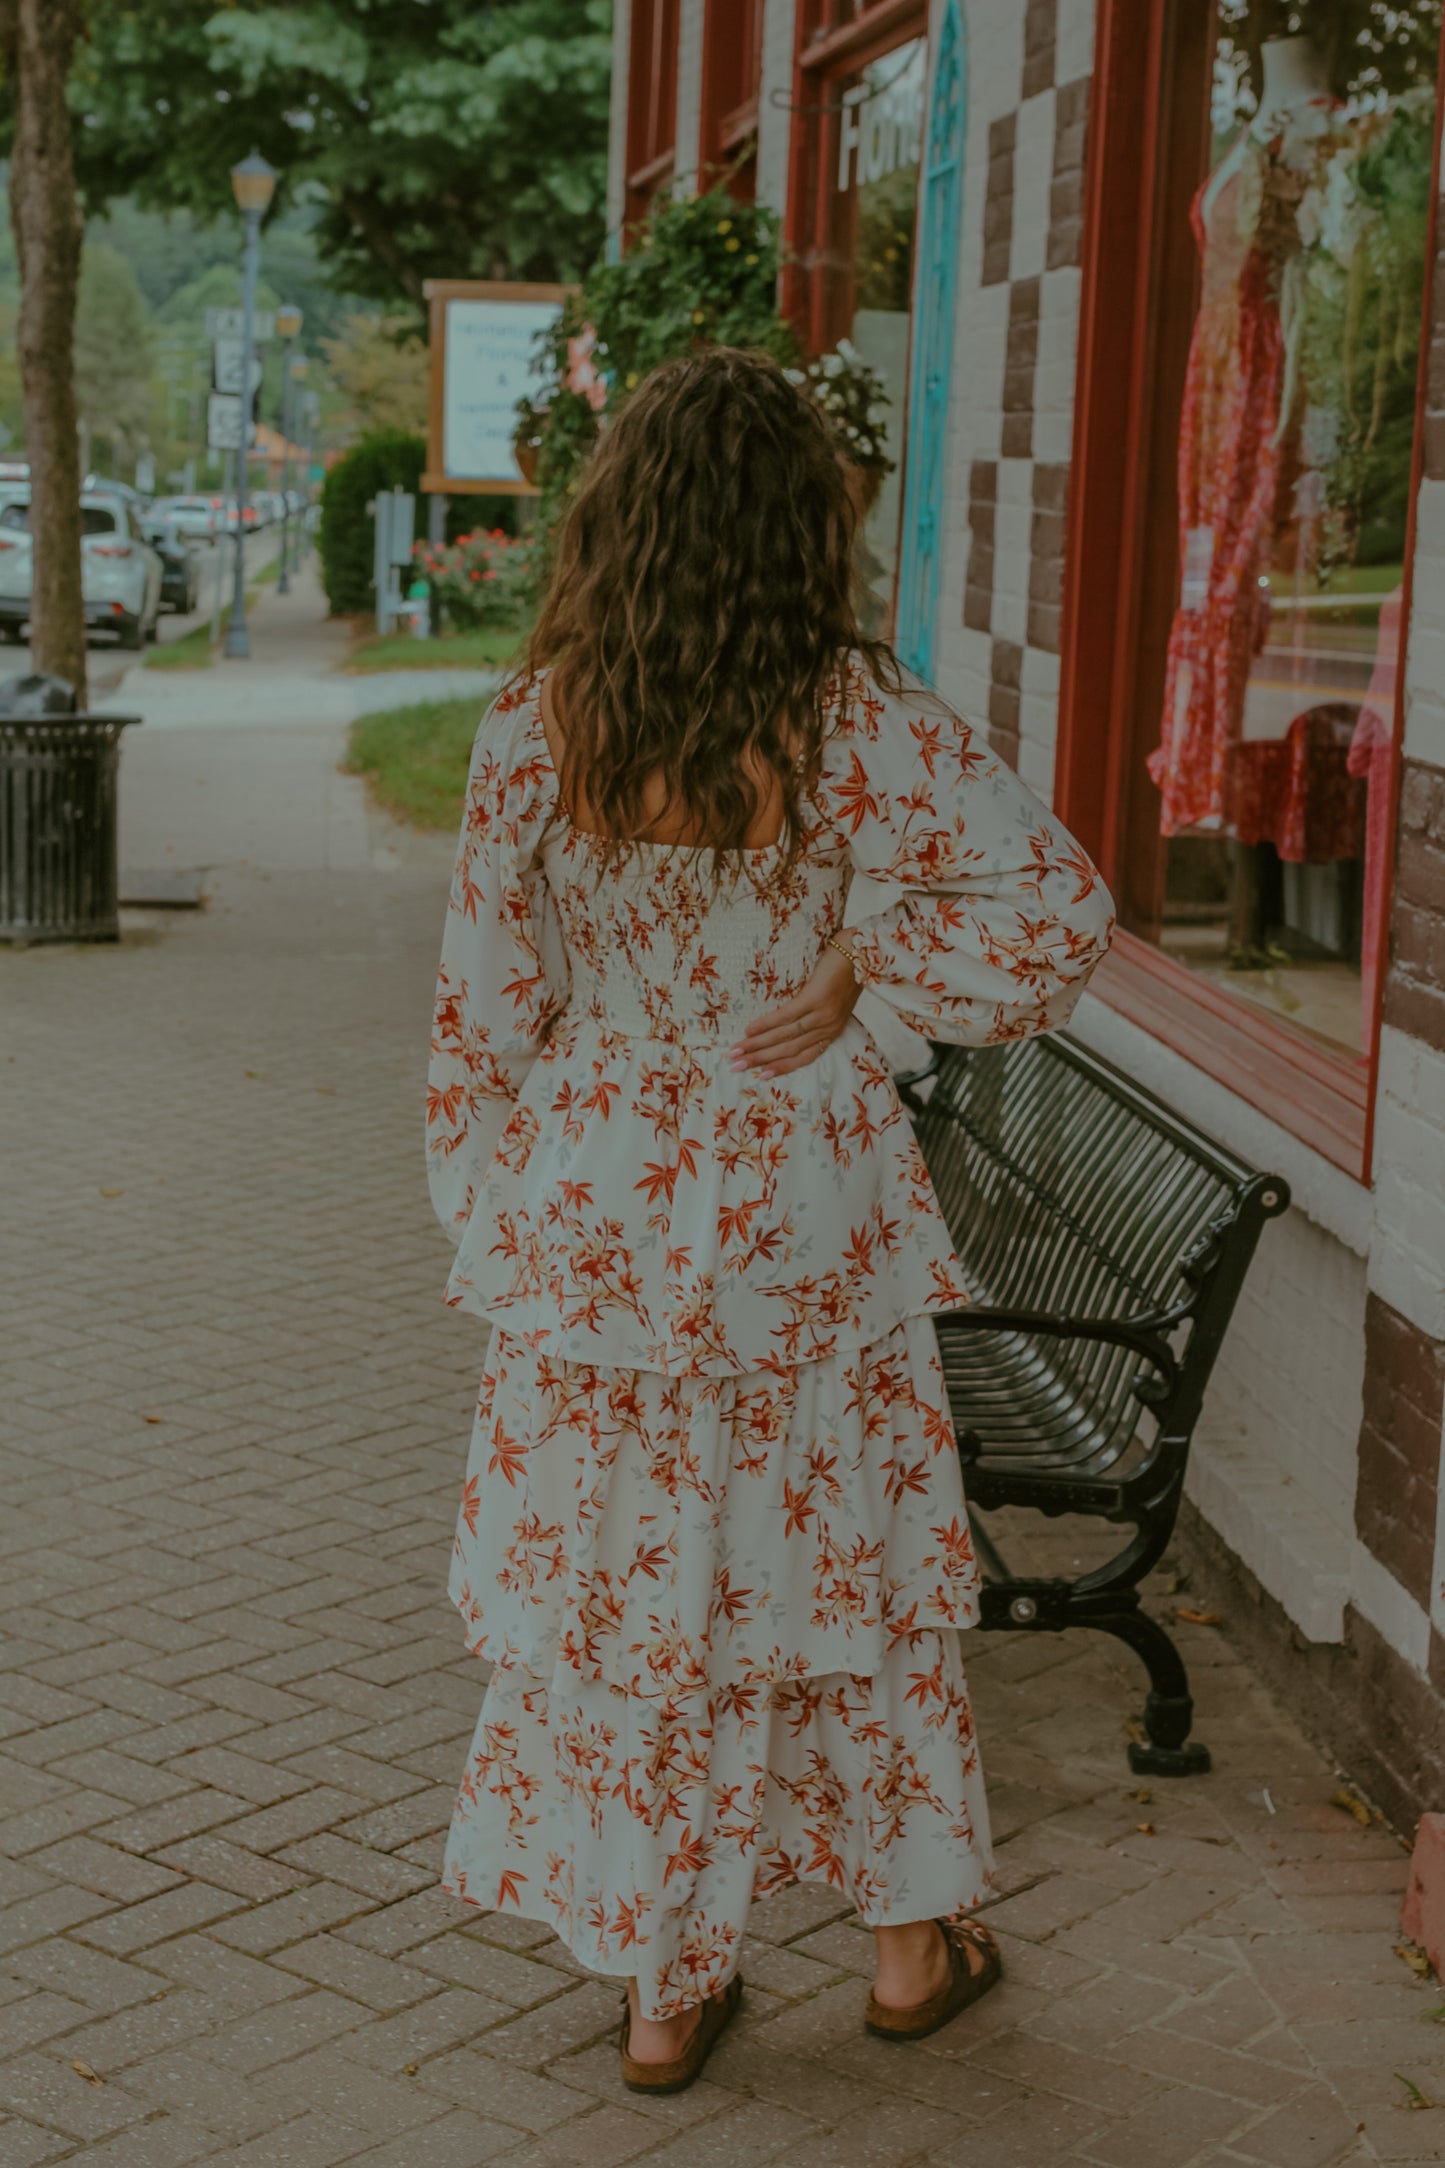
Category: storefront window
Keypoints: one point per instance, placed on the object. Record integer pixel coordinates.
(1259, 845)
(853, 236)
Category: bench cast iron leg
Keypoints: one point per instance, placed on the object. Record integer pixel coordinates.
(1168, 1706)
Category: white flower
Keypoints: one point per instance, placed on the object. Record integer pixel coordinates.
(878, 413)
(849, 352)
(831, 365)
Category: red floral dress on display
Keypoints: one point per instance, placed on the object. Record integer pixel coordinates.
(713, 1539)
(1228, 476)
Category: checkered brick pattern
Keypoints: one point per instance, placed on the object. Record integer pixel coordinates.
(1031, 215)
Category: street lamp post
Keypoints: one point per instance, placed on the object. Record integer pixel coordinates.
(312, 404)
(254, 184)
(288, 323)
(300, 369)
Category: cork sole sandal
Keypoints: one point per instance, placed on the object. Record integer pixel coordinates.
(675, 2077)
(964, 1985)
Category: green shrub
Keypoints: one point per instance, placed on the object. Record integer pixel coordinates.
(387, 459)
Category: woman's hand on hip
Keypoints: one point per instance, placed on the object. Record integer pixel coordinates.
(795, 1033)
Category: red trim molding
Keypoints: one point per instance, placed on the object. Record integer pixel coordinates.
(856, 43)
(647, 179)
(821, 55)
(1432, 302)
(732, 76)
(651, 102)
(1320, 1097)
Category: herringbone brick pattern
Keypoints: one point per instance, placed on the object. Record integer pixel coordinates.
(234, 1702)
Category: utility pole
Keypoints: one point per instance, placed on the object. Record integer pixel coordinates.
(254, 183)
(288, 324)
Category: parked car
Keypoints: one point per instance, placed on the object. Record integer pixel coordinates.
(180, 579)
(105, 485)
(252, 518)
(120, 573)
(200, 517)
(270, 505)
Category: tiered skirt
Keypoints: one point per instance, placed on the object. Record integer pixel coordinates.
(722, 1616)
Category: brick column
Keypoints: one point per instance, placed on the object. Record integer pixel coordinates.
(1397, 1619)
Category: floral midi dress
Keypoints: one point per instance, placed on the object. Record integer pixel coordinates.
(712, 1539)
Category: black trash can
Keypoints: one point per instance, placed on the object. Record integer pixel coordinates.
(58, 770)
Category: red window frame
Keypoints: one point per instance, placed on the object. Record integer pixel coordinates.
(651, 103)
(834, 38)
(1117, 543)
(732, 81)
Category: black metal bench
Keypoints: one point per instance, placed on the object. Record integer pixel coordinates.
(1106, 1242)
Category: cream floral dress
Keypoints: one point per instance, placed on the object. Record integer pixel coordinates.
(713, 1539)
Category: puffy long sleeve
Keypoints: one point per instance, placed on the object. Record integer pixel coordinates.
(503, 975)
(994, 916)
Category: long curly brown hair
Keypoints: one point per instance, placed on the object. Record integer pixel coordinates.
(701, 609)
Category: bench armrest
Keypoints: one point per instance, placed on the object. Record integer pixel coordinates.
(1145, 1337)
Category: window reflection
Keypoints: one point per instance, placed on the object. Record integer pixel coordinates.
(1294, 460)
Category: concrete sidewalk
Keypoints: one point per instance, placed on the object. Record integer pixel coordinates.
(234, 1703)
(240, 764)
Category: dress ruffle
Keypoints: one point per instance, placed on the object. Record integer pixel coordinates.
(673, 1536)
(665, 1214)
(642, 1829)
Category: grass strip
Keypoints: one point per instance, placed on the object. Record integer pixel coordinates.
(416, 758)
(191, 652)
(491, 649)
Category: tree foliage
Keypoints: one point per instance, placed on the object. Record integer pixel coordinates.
(381, 371)
(114, 389)
(437, 138)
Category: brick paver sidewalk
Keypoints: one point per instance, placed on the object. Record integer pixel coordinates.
(234, 1703)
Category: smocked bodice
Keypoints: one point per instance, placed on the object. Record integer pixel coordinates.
(658, 949)
(623, 1196)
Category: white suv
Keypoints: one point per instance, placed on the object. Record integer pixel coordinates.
(120, 573)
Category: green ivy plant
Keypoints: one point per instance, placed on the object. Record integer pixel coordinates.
(703, 269)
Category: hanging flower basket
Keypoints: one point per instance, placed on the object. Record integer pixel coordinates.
(527, 440)
(855, 401)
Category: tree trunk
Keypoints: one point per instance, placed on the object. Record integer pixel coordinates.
(38, 40)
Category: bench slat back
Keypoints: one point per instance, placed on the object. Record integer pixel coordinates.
(1067, 1198)
(1067, 1193)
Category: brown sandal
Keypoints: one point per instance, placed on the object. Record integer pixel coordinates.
(963, 1986)
(675, 2077)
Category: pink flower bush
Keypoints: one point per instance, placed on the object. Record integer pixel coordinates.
(483, 579)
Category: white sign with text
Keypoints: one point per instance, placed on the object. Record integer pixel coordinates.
(490, 365)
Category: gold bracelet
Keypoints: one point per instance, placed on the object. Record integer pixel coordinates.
(858, 977)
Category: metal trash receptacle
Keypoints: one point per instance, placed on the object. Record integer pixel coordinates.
(58, 803)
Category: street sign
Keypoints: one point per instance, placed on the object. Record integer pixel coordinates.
(223, 423)
(227, 356)
(231, 324)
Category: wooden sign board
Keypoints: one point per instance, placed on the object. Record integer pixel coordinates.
(483, 360)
